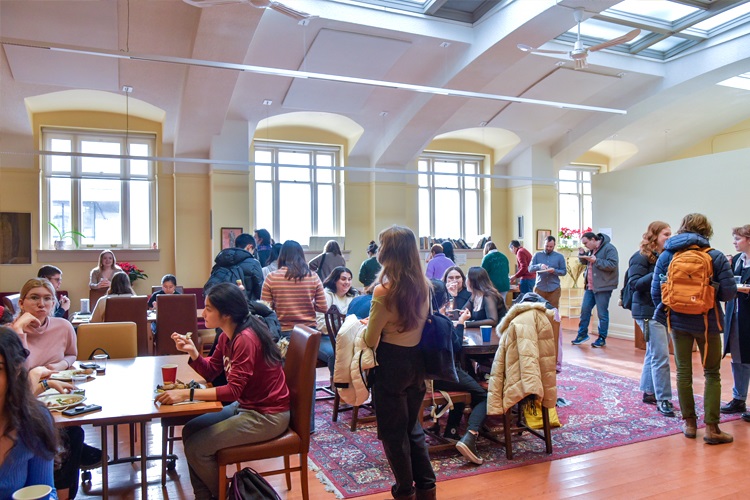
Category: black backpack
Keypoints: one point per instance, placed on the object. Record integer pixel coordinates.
(220, 274)
(249, 485)
(626, 293)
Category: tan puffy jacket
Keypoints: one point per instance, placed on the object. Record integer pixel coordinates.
(525, 360)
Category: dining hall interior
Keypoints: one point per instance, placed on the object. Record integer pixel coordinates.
(158, 127)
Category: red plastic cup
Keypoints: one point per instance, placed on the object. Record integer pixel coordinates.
(169, 373)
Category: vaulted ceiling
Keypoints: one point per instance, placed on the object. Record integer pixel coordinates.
(191, 63)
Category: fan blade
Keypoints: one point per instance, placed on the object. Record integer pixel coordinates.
(288, 11)
(529, 48)
(616, 41)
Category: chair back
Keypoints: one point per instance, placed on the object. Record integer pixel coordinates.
(120, 339)
(157, 288)
(133, 309)
(334, 320)
(299, 370)
(200, 301)
(95, 295)
(174, 313)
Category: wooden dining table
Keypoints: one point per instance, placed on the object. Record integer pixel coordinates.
(126, 393)
(473, 345)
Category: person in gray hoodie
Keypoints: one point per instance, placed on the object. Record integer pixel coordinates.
(601, 277)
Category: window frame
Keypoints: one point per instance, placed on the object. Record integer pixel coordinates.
(77, 174)
(580, 193)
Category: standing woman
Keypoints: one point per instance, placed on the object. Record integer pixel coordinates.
(482, 309)
(655, 382)
(119, 287)
(737, 325)
(101, 275)
(370, 267)
(399, 308)
(28, 439)
(324, 263)
(256, 387)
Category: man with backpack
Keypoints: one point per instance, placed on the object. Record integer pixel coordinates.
(690, 278)
(237, 265)
(601, 276)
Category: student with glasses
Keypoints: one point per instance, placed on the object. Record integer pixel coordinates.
(53, 274)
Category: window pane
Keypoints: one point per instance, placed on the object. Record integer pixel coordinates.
(139, 167)
(60, 163)
(447, 213)
(100, 165)
(60, 209)
(264, 205)
(294, 174)
(294, 158)
(101, 211)
(325, 211)
(424, 212)
(450, 181)
(470, 182)
(140, 208)
(586, 188)
(569, 211)
(587, 212)
(471, 206)
(568, 175)
(295, 222)
(568, 187)
(324, 175)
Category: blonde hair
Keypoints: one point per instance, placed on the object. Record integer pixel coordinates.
(408, 287)
(114, 260)
(741, 231)
(649, 246)
(36, 283)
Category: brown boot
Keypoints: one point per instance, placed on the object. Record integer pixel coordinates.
(714, 435)
(408, 496)
(430, 494)
(690, 427)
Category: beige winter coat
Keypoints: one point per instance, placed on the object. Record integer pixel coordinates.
(525, 360)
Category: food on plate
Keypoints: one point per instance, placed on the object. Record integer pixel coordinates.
(61, 401)
(188, 335)
(83, 371)
(68, 374)
(178, 384)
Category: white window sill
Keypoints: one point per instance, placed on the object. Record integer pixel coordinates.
(92, 254)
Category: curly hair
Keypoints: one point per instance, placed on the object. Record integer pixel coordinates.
(696, 223)
(330, 281)
(649, 247)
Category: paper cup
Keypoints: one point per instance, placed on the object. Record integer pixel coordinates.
(486, 333)
(36, 492)
(738, 279)
(169, 374)
(101, 362)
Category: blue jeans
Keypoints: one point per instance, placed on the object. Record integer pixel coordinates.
(601, 301)
(741, 376)
(325, 352)
(526, 285)
(655, 375)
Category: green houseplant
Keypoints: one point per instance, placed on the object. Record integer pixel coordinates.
(61, 236)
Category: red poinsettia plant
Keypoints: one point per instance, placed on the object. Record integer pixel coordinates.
(567, 233)
(133, 272)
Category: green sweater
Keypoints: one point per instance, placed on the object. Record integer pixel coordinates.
(497, 266)
(368, 270)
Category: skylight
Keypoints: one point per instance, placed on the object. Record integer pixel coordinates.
(738, 82)
(725, 17)
(661, 10)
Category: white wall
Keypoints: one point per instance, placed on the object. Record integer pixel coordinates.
(627, 201)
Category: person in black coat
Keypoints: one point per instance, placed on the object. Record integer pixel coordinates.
(655, 382)
(242, 256)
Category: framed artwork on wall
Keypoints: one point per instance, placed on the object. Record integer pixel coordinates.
(15, 238)
(541, 235)
(228, 235)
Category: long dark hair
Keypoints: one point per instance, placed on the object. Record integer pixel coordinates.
(293, 258)
(26, 416)
(274, 255)
(333, 247)
(229, 300)
(459, 271)
(481, 285)
(120, 284)
(330, 282)
(448, 250)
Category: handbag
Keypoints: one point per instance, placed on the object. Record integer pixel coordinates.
(532, 413)
(437, 347)
(249, 485)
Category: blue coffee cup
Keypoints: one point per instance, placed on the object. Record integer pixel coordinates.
(486, 333)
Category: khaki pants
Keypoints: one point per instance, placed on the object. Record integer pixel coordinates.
(553, 298)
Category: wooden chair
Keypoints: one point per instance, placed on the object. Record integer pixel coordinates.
(437, 398)
(334, 319)
(519, 427)
(300, 378)
(200, 303)
(61, 293)
(174, 313)
(95, 295)
(119, 339)
(133, 309)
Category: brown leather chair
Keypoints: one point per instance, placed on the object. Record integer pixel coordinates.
(200, 303)
(334, 320)
(299, 369)
(95, 295)
(133, 309)
(174, 313)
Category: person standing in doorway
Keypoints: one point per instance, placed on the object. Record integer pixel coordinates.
(549, 266)
(524, 277)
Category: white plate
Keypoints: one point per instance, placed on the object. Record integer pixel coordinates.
(67, 375)
(61, 401)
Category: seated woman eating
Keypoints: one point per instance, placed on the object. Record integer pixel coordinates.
(255, 384)
(339, 292)
(120, 287)
(482, 309)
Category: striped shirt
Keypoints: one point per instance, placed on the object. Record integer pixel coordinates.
(295, 302)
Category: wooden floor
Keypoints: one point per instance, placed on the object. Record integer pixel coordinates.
(674, 466)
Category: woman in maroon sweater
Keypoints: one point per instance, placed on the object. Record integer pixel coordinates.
(255, 385)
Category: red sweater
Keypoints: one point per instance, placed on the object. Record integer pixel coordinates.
(250, 380)
(523, 259)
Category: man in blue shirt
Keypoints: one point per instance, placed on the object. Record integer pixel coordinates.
(549, 266)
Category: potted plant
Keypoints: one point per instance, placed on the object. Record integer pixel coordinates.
(133, 272)
(60, 241)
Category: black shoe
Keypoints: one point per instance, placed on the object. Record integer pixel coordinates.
(580, 339)
(600, 342)
(468, 448)
(665, 408)
(91, 458)
(734, 406)
(649, 399)
(745, 417)
(451, 433)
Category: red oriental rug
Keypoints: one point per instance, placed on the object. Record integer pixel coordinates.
(604, 411)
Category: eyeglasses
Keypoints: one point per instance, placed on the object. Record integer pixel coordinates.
(58, 279)
(47, 299)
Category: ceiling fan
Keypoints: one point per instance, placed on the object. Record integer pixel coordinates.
(579, 52)
(258, 4)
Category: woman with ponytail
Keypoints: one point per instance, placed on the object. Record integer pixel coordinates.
(255, 385)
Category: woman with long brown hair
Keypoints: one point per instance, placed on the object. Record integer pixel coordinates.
(655, 382)
(482, 308)
(400, 305)
(101, 275)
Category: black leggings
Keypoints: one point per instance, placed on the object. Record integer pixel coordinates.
(67, 475)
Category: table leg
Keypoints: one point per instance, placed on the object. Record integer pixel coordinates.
(105, 464)
(144, 462)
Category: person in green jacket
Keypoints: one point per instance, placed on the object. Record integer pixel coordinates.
(497, 266)
(370, 267)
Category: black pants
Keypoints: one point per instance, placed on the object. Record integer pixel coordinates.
(398, 390)
(67, 475)
(468, 384)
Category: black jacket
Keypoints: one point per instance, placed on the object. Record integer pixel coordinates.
(250, 268)
(640, 275)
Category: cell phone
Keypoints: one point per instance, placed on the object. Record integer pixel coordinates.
(453, 314)
(92, 366)
(80, 410)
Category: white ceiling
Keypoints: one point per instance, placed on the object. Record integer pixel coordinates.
(678, 96)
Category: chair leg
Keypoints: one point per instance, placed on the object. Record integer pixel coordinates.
(547, 429)
(116, 440)
(238, 466)
(303, 475)
(287, 473)
(222, 481)
(336, 402)
(164, 434)
(133, 438)
(355, 416)
(507, 419)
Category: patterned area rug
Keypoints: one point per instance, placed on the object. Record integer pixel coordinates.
(604, 411)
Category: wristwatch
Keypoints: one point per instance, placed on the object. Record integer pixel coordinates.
(192, 393)
(44, 384)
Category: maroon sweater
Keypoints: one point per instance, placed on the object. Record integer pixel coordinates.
(250, 380)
